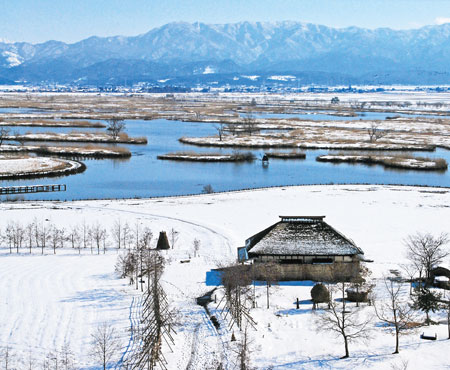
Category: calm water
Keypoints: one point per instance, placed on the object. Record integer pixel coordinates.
(144, 176)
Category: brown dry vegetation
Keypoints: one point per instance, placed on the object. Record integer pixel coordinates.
(208, 157)
(50, 123)
(406, 131)
(286, 155)
(402, 162)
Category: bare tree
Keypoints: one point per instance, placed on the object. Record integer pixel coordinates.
(395, 310)
(19, 137)
(232, 128)
(220, 128)
(29, 233)
(4, 132)
(105, 344)
(196, 247)
(271, 274)
(426, 250)
(343, 320)
(173, 235)
(115, 127)
(7, 357)
(98, 234)
(126, 265)
(116, 232)
(18, 235)
(126, 232)
(375, 132)
(75, 238)
(31, 360)
(410, 269)
(67, 358)
(55, 237)
(9, 235)
(85, 232)
(243, 351)
(249, 124)
(236, 281)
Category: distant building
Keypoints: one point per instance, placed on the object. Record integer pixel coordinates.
(306, 248)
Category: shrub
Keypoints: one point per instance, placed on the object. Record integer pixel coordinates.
(320, 294)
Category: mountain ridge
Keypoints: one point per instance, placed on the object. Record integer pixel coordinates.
(243, 47)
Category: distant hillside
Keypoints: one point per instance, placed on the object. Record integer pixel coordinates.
(182, 51)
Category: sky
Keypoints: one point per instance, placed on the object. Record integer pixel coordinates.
(73, 20)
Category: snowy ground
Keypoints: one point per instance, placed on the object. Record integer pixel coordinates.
(50, 299)
(28, 166)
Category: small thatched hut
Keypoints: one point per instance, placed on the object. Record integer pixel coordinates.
(163, 242)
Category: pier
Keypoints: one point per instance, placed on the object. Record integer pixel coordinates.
(31, 189)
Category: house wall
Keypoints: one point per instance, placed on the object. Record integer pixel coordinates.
(319, 272)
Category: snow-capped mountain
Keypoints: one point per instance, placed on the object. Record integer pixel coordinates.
(183, 49)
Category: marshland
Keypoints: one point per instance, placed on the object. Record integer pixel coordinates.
(292, 130)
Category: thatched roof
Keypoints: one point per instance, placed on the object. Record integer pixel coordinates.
(301, 236)
(163, 242)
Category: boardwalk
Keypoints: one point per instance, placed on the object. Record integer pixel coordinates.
(31, 189)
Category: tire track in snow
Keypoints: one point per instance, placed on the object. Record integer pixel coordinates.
(129, 356)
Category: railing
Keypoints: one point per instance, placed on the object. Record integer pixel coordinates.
(31, 189)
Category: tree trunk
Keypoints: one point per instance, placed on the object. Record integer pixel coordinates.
(346, 348)
(267, 284)
(396, 341)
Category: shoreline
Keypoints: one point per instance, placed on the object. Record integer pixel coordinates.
(197, 141)
(68, 151)
(439, 189)
(81, 137)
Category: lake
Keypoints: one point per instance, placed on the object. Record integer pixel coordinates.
(145, 176)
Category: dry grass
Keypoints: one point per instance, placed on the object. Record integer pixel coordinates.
(286, 155)
(85, 151)
(401, 162)
(209, 157)
(50, 123)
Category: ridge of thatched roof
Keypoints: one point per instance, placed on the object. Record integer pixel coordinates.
(302, 236)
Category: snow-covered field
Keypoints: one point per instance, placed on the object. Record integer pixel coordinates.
(51, 299)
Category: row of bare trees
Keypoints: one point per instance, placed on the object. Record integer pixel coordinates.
(63, 359)
(43, 235)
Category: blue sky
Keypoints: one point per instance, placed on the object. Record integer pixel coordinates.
(73, 20)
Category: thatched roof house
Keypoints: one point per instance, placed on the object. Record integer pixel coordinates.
(306, 247)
